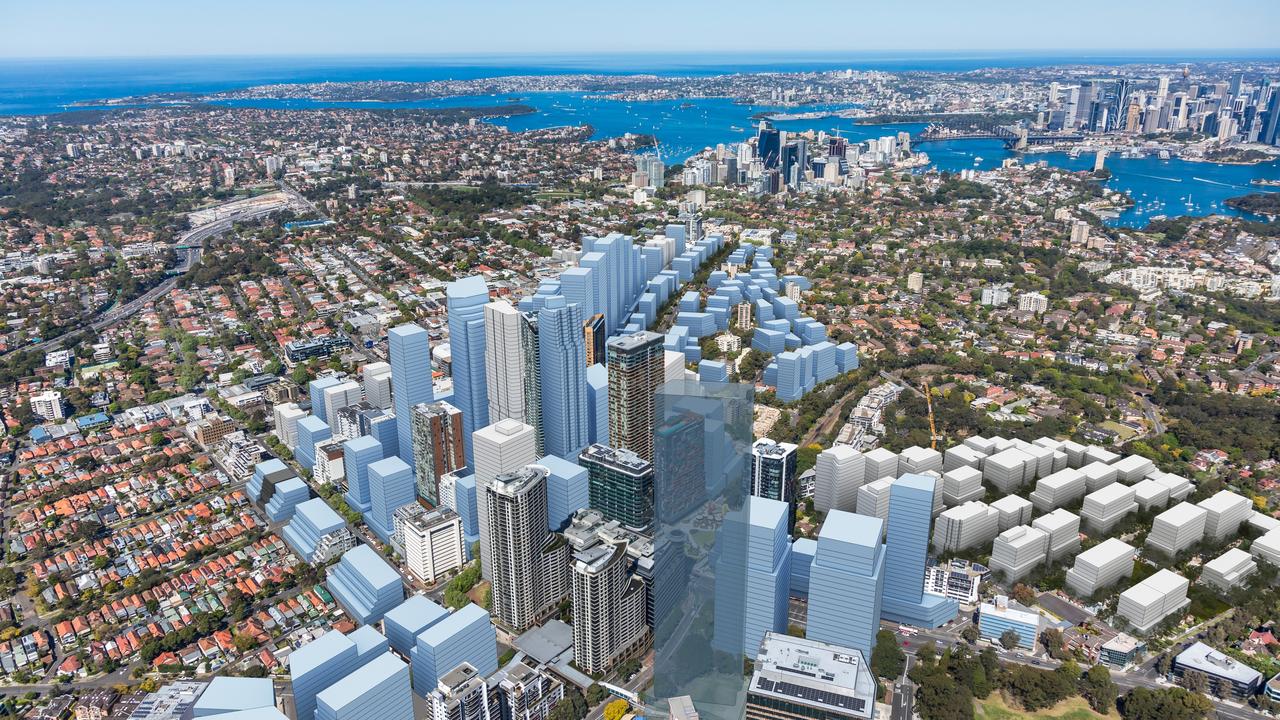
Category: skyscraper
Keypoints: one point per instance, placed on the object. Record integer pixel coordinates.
(410, 353)
(635, 364)
(504, 361)
(608, 606)
(620, 485)
(768, 147)
(377, 384)
(502, 447)
(679, 462)
(752, 582)
(773, 474)
(846, 581)
(906, 549)
(316, 393)
(563, 366)
(593, 332)
(529, 565)
(357, 455)
(466, 299)
(437, 446)
(512, 365)
(390, 487)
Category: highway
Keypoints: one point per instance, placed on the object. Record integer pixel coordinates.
(188, 245)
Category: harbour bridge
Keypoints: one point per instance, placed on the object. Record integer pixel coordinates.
(1015, 137)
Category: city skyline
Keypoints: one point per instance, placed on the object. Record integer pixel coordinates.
(566, 27)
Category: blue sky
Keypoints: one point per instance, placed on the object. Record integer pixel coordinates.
(130, 28)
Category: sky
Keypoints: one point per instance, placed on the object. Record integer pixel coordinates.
(167, 28)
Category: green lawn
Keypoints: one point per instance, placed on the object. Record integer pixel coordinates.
(995, 708)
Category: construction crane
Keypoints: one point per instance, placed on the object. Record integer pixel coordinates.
(933, 429)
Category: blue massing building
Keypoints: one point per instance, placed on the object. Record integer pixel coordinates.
(568, 490)
(316, 393)
(380, 690)
(846, 581)
(325, 661)
(598, 404)
(311, 430)
(410, 354)
(288, 495)
(465, 636)
(317, 533)
(802, 551)
(406, 621)
(753, 576)
(466, 299)
(391, 487)
(906, 551)
(562, 361)
(365, 584)
(357, 455)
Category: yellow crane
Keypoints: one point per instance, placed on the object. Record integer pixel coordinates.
(933, 430)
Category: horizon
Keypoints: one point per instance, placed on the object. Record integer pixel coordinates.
(239, 28)
(1171, 54)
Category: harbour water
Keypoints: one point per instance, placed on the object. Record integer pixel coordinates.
(1158, 187)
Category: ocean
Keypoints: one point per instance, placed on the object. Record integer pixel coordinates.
(1170, 187)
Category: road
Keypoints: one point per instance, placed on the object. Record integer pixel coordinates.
(188, 246)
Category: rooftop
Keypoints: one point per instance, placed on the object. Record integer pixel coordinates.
(1211, 662)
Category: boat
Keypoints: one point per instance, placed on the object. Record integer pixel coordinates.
(977, 160)
(1265, 182)
(1163, 155)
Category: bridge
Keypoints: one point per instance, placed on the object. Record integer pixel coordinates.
(1014, 137)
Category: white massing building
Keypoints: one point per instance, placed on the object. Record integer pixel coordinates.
(1009, 469)
(1101, 566)
(1064, 532)
(962, 484)
(1267, 547)
(1144, 605)
(879, 463)
(1093, 453)
(916, 459)
(1150, 494)
(1133, 468)
(839, 472)
(1179, 487)
(1229, 570)
(965, 526)
(1177, 528)
(1108, 505)
(961, 456)
(873, 498)
(286, 417)
(1014, 511)
(1226, 511)
(377, 384)
(1098, 475)
(1018, 550)
(1058, 489)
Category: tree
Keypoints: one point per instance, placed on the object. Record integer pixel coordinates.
(1172, 703)
(1097, 687)
(616, 709)
(887, 658)
(596, 694)
(1164, 664)
(1052, 641)
(1195, 681)
(1010, 639)
(970, 633)
(940, 697)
